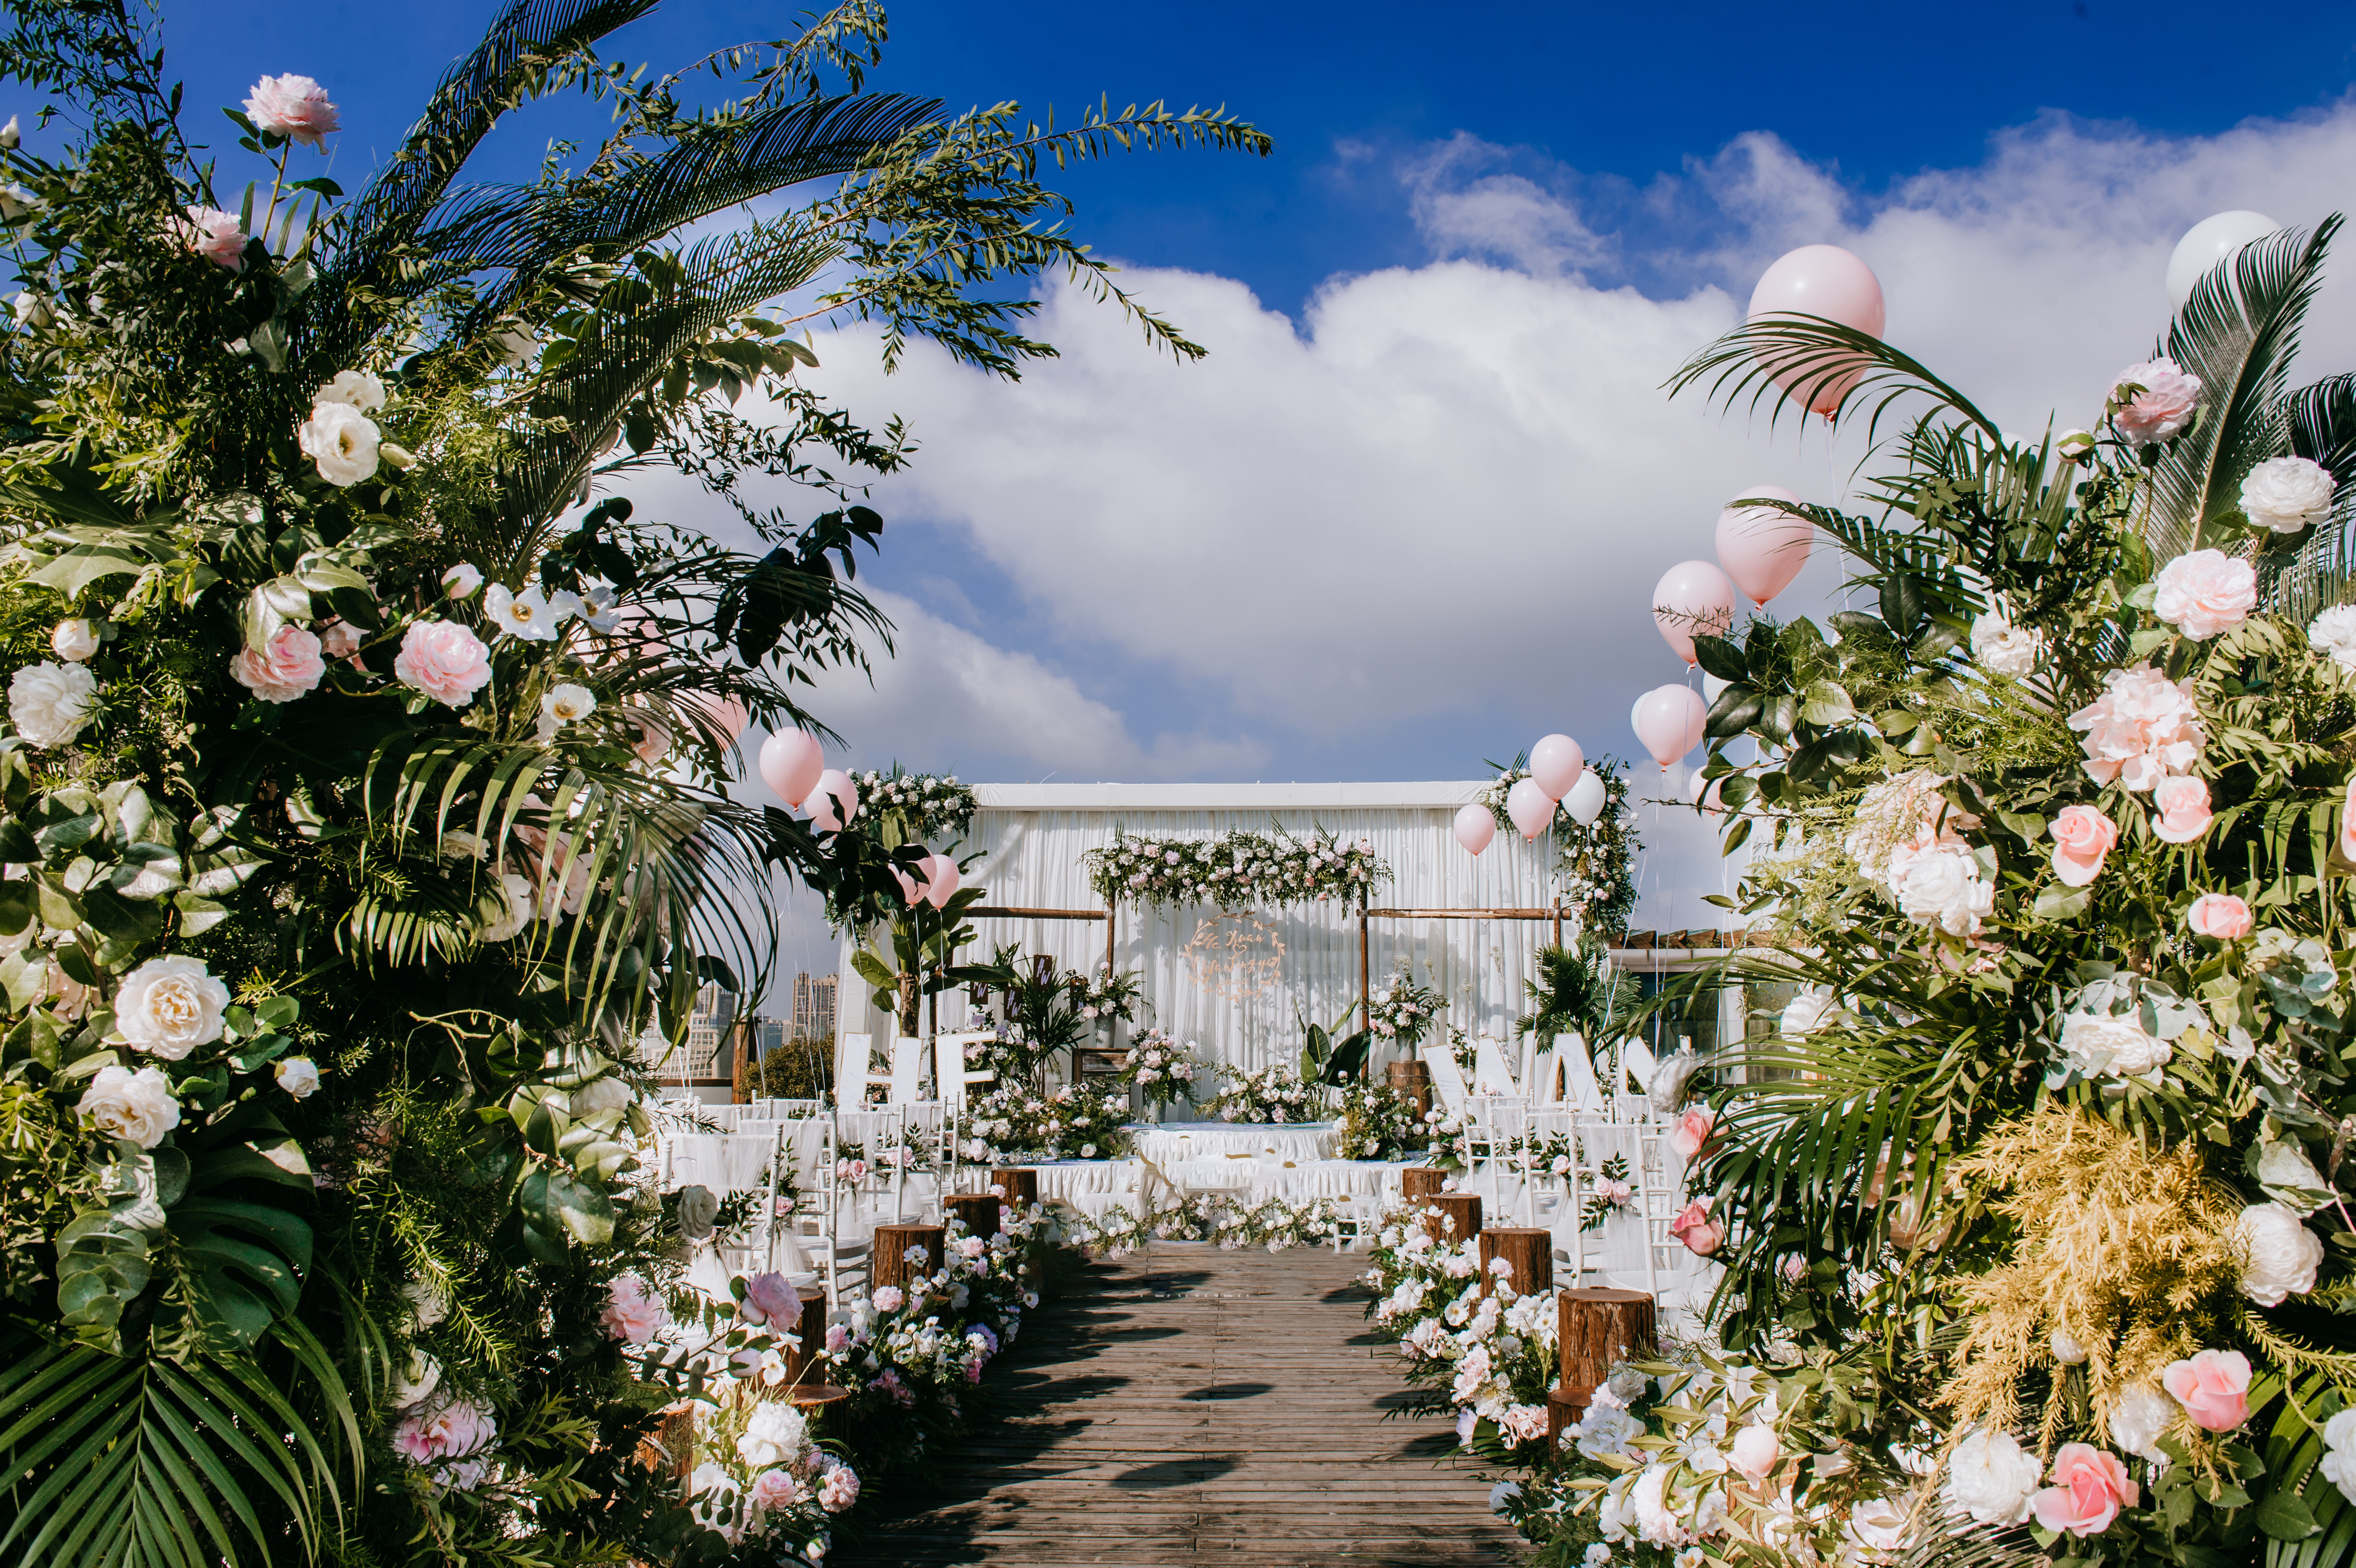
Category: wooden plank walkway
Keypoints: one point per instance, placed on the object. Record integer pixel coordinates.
(1194, 1406)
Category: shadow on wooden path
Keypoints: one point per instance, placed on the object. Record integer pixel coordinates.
(1192, 1406)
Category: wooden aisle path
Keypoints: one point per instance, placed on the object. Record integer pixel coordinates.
(1197, 1406)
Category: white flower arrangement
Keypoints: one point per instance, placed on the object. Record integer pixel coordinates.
(1275, 1094)
(1239, 872)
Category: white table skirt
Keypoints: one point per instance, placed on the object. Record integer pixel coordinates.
(1092, 1185)
(1175, 1143)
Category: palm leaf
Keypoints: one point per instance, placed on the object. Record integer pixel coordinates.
(1814, 355)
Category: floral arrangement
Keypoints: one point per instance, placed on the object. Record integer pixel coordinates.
(1277, 1094)
(1240, 871)
(1377, 1122)
(1595, 862)
(1074, 1121)
(1275, 1223)
(928, 806)
(1158, 1067)
(1403, 1011)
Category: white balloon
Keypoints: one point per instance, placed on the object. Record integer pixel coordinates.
(1587, 797)
(2208, 242)
(1710, 687)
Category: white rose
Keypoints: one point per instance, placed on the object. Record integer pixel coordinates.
(1990, 1478)
(2003, 647)
(1943, 887)
(169, 1007)
(2279, 1254)
(2339, 1465)
(134, 1105)
(73, 641)
(1878, 1525)
(2287, 494)
(1806, 1012)
(49, 703)
(341, 442)
(2097, 1043)
(356, 388)
(462, 580)
(2138, 1418)
(299, 1076)
(776, 1435)
(699, 1209)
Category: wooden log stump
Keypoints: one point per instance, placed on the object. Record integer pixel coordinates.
(888, 1264)
(977, 1210)
(1458, 1220)
(1422, 1181)
(1412, 1081)
(810, 1329)
(1600, 1329)
(1563, 1413)
(1529, 1252)
(1021, 1187)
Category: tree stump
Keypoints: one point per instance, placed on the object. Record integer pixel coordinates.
(1459, 1218)
(810, 1329)
(1421, 1182)
(1530, 1252)
(1563, 1413)
(1021, 1187)
(1600, 1329)
(888, 1264)
(977, 1210)
(1411, 1081)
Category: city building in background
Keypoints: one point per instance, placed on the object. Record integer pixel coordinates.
(813, 1007)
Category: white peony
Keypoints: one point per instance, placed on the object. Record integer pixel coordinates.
(2279, 1254)
(1990, 1478)
(1877, 1524)
(2003, 647)
(2287, 494)
(341, 442)
(2138, 1420)
(565, 703)
(776, 1435)
(299, 1076)
(134, 1105)
(1605, 1429)
(357, 387)
(2334, 633)
(1942, 887)
(2097, 1043)
(1656, 1525)
(2339, 1465)
(73, 640)
(49, 703)
(169, 1007)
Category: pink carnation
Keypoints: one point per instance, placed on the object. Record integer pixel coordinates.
(2221, 915)
(214, 235)
(284, 669)
(2184, 813)
(443, 661)
(2160, 406)
(1695, 1228)
(434, 1432)
(293, 107)
(2088, 1489)
(2205, 592)
(632, 1313)
(2214, 1387)
(2141, 729)
(2083, 836)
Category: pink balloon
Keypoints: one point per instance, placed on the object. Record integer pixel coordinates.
(1822, 281)
(1669, 723)
(1474, 827)
(1556, 763)
(833, 800)
(941, 879)
(725, 714)
(1530, 806)
(910, 892)
(1692, 599)
(1763, 549)
(791, 762)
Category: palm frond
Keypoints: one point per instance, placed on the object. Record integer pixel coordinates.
(2239, 337)
(1815, 354)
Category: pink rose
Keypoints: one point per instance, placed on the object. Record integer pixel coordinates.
(1695, 1132)
(1695, 1228)
(2088, 1489)
(770, 1299)
(774, 1489)
(632, 1313)
(2143, 728)
(340, 639)
(214, 235)
(2160, 404)
(445, 661)
(2184, 813)
(2204, 592)
(284, 670)
(2214, 1388)
(1754, 1452)
(2221, 915)
(838, 1337)
(434, 1432)
(2347, 822)
(1796, 1269)
(293, 107)
(2083, 836)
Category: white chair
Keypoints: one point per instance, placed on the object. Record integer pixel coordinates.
(1447, 1078)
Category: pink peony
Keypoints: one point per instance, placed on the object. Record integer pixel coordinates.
(1796, 1269)
(771, 1299)
(2082, 838)
(1696, 1131)
(774, 1489)
(971, 1246)
(2205, 592)
(2142, 729)
(2221, 915)
(2347, 822)
(2088, 1489)
(293, 107)
(2214, 1387)
(214, 235)
(282, 671)
(1754, 1452)
(632, 1312)
(2161, 404)
(2184, 813)
(840, 1489)
(838, 1338)
(445, 661)
(339, 639)
(434, 1432)
(890, 1298)
(1695, 1228)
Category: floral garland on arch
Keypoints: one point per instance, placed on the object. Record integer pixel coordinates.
(930, 806)
(1238, 870)
(1595, 862)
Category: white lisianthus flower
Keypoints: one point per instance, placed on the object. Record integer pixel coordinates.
(134, 1105)
(2004, 648)
(530, 614)
(299, 1076)
(1990, 1478)
(2097, 1043)
(2334, 633)
(2287, 494)
(2074, 444)
(73, 640)
(462, 581)
(2279, 1254)
(341, 442)
(49, 703)
(169, 1007)
(357, 388)
(1942, 887)
(564, 704)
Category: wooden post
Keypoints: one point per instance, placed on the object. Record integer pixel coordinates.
(1459, 1219)
(810, 1329)
(1422, 1181)
(1601, 1327)
(1530, 1252)
(1411, 1081)
(1111, 926)
(1021, 1187)
(1365, 982)
(1558, 923)
(888, 1264)
(977, 1210)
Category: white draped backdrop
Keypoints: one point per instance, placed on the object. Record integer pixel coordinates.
(1238, 984)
